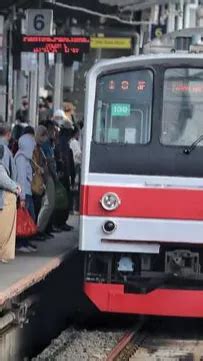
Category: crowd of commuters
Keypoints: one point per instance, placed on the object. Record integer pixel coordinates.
(35, 165)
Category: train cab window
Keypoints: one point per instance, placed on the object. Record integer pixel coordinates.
(182, 121)
(123, 107)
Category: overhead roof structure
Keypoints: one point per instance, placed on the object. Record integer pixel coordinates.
(136, 5)
(5, 5)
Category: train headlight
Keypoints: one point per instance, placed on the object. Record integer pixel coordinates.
(109, 227)
(110, 201)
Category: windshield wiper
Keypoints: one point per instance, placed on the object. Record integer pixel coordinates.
(189, 149)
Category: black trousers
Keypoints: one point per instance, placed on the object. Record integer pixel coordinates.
(37, 200)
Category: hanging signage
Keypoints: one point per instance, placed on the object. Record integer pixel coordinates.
(39, 22)
(72, 45)
(157, 31)
(110, 43)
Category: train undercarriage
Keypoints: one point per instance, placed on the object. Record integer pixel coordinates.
(178, 267)
(167, 284)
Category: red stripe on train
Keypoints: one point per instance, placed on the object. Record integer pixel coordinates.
(162, 302)
(145, 202)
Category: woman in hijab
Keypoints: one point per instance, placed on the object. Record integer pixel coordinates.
(23, 159)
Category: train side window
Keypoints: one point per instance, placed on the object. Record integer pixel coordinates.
(123, 107)
(182, 106)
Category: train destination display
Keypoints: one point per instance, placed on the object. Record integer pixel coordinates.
(73, 45)
(189, 87)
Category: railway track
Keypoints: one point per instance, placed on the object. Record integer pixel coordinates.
(148, 340)
(147, 343)
(81, 345)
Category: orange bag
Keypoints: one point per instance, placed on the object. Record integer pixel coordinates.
(25, 227)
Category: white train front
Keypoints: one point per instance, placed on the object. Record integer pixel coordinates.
(141, 224)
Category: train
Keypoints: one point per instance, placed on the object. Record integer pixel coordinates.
(141, 216)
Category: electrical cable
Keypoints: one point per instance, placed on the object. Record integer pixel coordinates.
(96, 13)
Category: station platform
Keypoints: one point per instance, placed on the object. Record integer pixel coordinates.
(27, 270)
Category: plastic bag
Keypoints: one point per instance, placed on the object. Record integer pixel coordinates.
(25, 226)
(61, 198)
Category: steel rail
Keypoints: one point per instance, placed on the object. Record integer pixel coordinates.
(128, 343)
(142, 344)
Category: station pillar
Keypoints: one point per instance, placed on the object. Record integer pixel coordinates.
(58, 83)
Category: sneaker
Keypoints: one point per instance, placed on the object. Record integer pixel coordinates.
(32, 248)
(23, 249)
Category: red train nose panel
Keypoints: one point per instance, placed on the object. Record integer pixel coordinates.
(161, 302)
(162, 203)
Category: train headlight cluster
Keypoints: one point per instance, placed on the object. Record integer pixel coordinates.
(110, 201)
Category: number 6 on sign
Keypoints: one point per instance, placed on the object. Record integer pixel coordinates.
(39, 22)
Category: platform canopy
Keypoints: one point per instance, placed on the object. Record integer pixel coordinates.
(6, 4)
(136, 5)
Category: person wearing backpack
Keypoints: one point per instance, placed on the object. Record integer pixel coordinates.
(9, 189)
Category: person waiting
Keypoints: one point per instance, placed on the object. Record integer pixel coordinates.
(9, 189)
(23, 161)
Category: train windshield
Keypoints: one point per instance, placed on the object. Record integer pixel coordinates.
(182, 117)
(123, 107)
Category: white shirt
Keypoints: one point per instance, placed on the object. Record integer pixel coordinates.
(77, 153)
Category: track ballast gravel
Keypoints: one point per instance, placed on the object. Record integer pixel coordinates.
(81, 345)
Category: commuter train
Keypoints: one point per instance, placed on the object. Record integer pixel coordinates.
(141, 223)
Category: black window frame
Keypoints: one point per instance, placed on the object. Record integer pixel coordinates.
(165, 67)
(122, 70)
(154, 158)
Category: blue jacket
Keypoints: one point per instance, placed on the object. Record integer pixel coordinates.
(6, 182)
(48, 150)
(8, 163)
